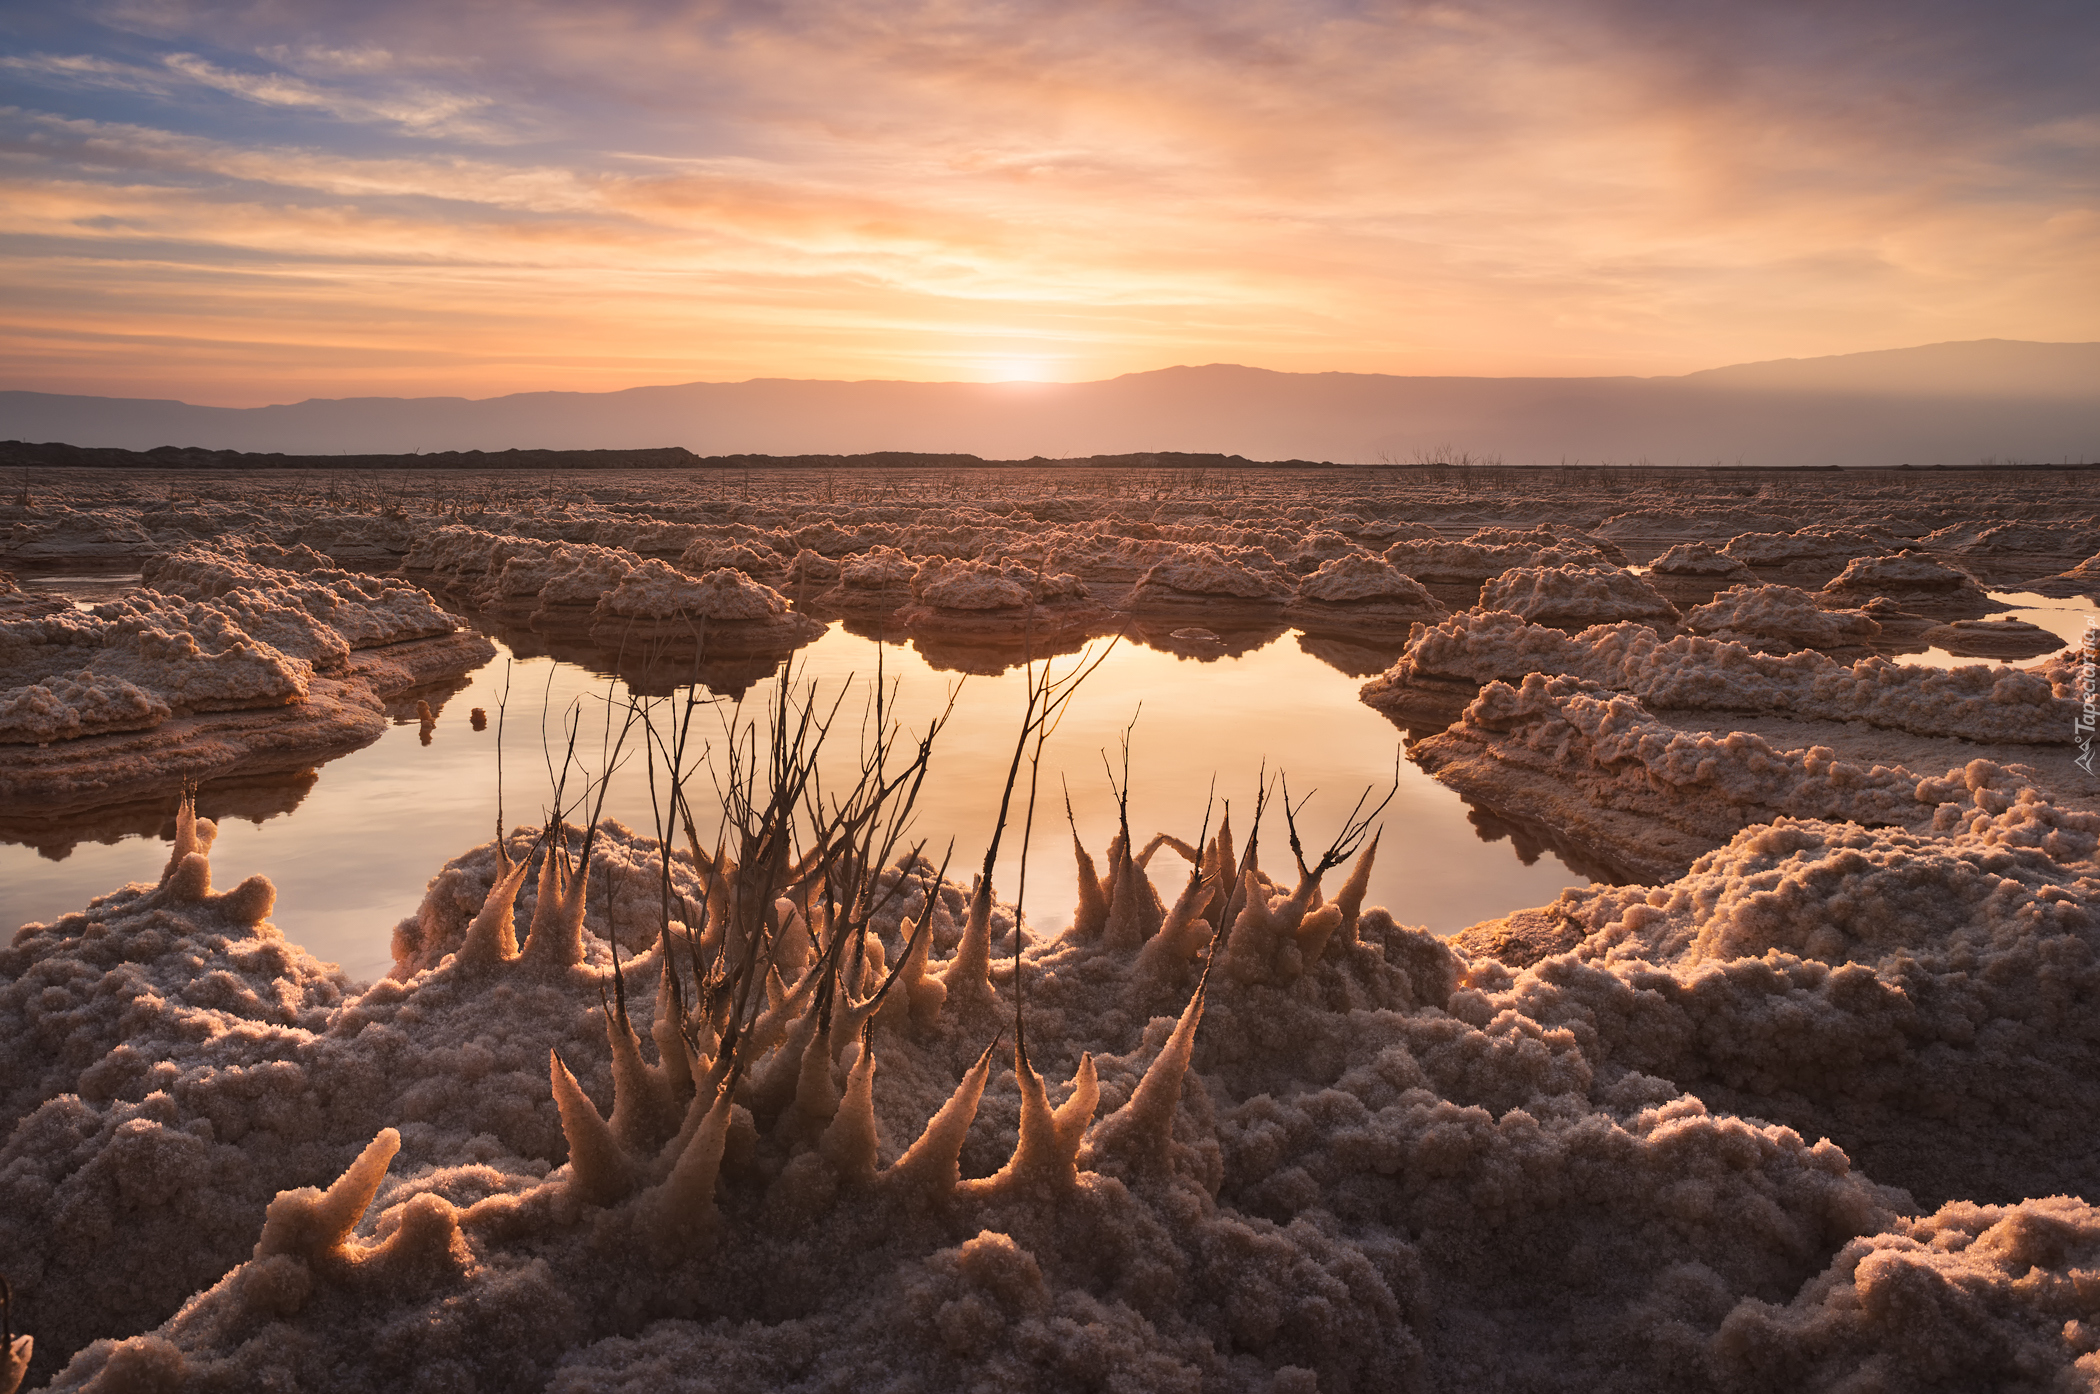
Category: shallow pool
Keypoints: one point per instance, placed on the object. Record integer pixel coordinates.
(352, 845)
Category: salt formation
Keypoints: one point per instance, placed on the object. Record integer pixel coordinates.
(723, 612)
(1691, 572)
(62, 536)
(1253, 1134)
(1447, 664)
(2011, 554)
(2082, 579)
(1999, 638)
(1922, 997)
(1699, 560)
(234, 666)
(1811, 556)
(1202, 577)
(366, 611)
(1362, 594)
(1491, 551)
(710, 554)
(1645, 798)
(1780, 619)
(133, 663)
(1911, 575)
(18, 604)
(878, 579)
(1575, 595)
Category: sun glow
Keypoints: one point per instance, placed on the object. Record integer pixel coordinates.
(1017, 370)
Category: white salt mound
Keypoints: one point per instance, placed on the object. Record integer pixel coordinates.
(1575, 595)
(1347, 1158)
(1700, 560)
(1780, 618)
(1451, 660)
(1196, 574)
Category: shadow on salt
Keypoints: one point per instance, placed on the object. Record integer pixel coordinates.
(379, 823)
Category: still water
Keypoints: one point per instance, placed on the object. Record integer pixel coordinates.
(352, 846)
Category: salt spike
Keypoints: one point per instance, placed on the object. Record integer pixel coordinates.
(492, 936)
(770, 1085)
(1139, 1133)
(794, 944)
(848, 1015)
(1228, 874)
(672, 1049)
(1314, 931)
(783, 1006)
(849, 1142)
(874, 965)
(192, 834)
(934, 1161)
(642, 1103)
(1351, 896)
(1039, 1157)
(14, 1363)
(558, 942)
(684, 1205)
(816, 1093)
(1078, 1109)
(1134, 913)
(599, 1171)
(1251, 940)
(1092, 914)
(970, 971)
(552, 878)
(1184, 933)
(309, 1223)
(914, 992)
(1159, 840)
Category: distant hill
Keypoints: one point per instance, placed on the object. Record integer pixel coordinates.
(1939, 404)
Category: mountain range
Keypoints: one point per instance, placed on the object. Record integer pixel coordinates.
(1952, 404)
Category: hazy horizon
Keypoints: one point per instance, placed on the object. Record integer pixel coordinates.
(1935, 404)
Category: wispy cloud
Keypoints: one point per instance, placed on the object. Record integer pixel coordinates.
(926, 187)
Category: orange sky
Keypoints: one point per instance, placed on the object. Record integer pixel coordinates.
(247, 203)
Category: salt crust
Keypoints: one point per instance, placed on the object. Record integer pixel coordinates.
(1362, 593)
(1575, 595)
(1389, 1166)
(1202, 573)
(250, 667)
(998, 601)
(18, 604)
(366, 611)
(1647, 798)
(1702, 561)
(131, 664)
(1450, 661)
(1494, 550)
(1998, 638)
(723, 612)
(1905, 573)
(1810, 556)
(1780, 619)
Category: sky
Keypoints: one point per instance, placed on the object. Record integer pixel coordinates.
(243, 203)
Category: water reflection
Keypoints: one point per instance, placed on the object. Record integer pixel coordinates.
(256, 798)
(378, 824)
(2065, 618)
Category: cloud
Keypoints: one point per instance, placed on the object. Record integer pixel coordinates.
(888, 186)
